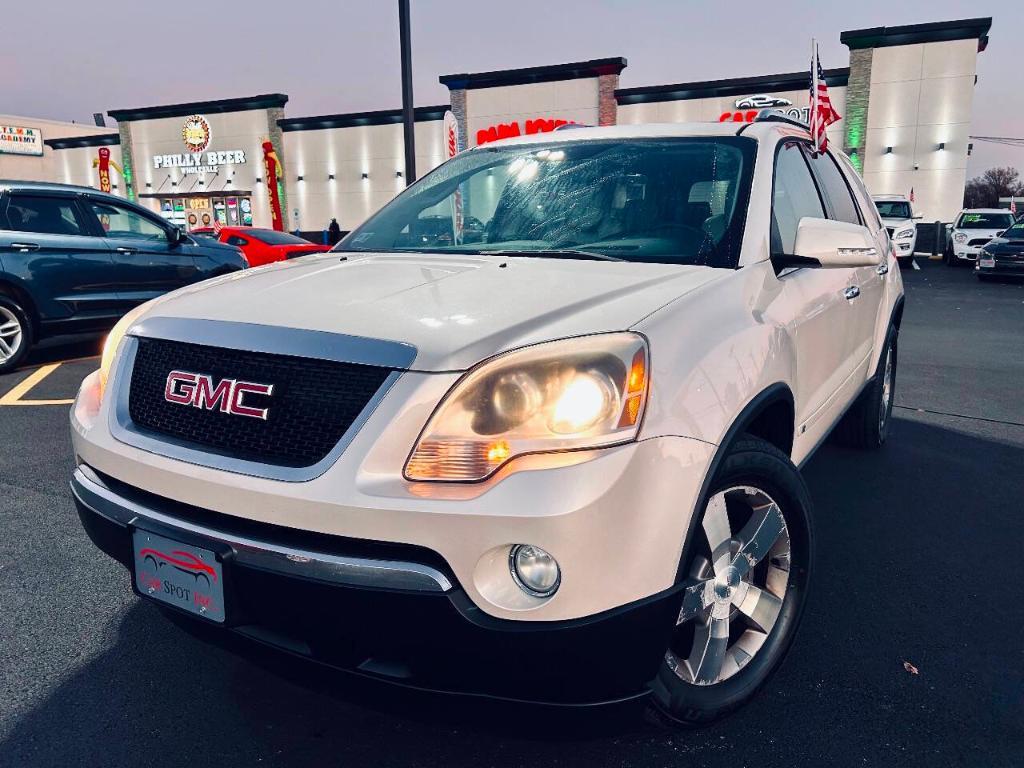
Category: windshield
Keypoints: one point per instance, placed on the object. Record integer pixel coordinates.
(676, 201)
(272, 237)
(985, 221)
(893, 209)
(1016, 232)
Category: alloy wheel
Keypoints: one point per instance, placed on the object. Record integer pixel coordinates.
(11, 334)
(736, 589)
(885, 405)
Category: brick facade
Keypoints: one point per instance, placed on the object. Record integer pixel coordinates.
(607, 106)
(858, 90)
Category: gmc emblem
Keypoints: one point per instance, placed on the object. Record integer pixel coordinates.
(197, 390)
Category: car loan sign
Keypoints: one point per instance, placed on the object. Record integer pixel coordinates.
(197, 135)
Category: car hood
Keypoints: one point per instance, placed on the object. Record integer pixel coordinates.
(898, 224)
(1005, 245)
(973, 233)
(456, 310)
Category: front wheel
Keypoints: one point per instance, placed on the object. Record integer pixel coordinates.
(747, 573)
(15, 334)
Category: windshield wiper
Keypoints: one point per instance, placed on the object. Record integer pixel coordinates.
(556, 253)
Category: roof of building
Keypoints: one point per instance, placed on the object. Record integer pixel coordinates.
(543, 74)
(354, 119)
(739, 86)
(932, 32)
(75, 142)
(263, 101)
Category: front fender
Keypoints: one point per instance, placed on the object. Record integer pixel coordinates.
(712, 352)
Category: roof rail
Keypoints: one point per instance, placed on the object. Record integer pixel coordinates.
(771, 115)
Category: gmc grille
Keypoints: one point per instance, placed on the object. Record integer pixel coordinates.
(314, 402)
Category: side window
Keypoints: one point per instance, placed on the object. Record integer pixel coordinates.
(835, 188)
(794, 197)
(860, 193)
(236, 240)
(45, 215)
(124, 222)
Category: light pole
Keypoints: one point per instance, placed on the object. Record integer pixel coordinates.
(408, 118)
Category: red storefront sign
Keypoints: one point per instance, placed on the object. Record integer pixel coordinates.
(508, 130)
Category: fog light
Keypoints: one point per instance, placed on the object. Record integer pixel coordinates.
(534, 570)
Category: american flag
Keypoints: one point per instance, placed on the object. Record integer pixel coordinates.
(216, 225)
(822, 114)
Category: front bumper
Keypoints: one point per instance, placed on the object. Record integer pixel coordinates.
(391, 612)
(966, 252)
(1002, 266)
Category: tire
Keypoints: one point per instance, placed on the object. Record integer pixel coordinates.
(757, 491)
(866, 424)
(15, 334)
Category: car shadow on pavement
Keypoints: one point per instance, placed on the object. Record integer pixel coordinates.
(906, 541)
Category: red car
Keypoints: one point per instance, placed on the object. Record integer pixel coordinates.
(262, 246)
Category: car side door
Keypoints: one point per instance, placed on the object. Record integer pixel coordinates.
(149, 260)
(866, 284)
(47, 244)
(812, 304)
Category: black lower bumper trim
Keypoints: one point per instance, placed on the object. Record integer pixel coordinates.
(438, 641)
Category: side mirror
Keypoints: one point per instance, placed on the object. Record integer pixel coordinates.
(175, 237)
(831, 243)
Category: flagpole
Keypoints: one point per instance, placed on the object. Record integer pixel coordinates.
(814, 94)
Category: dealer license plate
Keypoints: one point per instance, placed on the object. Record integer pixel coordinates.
(179, 574)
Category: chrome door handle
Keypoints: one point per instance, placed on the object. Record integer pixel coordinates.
(852, 292)
(25, 247)
(882, 269)
(128, 251)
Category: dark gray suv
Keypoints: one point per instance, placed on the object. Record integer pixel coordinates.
(73, 259)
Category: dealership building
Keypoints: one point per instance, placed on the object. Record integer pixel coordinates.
(905, 99)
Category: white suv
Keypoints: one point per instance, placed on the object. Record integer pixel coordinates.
(557, 464)
(972, 229)
(900, 222)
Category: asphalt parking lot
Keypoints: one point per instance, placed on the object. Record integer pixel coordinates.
(918, 561)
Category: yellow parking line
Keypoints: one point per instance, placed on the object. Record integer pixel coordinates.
(24, 386)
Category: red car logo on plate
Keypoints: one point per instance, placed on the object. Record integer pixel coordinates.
(185, 562)
(198, 391)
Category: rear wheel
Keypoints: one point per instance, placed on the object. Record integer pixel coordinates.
(15, 334)
(747, 572)
(866, 424)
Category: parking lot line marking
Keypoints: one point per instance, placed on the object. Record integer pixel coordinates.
(24, 386)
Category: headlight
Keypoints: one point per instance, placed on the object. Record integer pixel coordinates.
(960, 237)
(577, 393)
(113, 341)
(903, 233)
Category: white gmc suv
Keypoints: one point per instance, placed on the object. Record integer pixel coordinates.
(551, 459)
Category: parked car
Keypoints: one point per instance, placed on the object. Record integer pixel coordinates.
(430, 231)
(75, 260)
(900, 222)
(568, 454)
(263, 246)
(971, 230)
(1003, 256)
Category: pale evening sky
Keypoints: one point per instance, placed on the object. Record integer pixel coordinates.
(66, 60)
